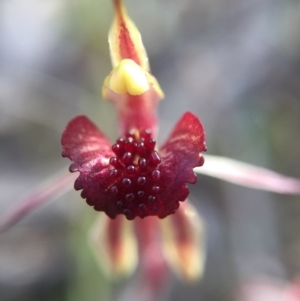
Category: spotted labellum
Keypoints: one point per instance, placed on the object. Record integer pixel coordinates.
(132, 176)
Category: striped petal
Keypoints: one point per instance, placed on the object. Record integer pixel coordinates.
(183, 242)
(115, 246)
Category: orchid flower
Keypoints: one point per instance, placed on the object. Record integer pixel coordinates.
(141, 188)
(132, 177)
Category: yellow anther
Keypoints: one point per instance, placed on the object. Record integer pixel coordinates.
(129, 77)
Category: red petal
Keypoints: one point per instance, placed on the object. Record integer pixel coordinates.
(89, 150)
(180, 154)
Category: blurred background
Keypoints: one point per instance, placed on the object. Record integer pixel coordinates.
(234, 63)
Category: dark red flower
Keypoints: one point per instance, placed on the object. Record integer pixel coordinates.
(131, 177)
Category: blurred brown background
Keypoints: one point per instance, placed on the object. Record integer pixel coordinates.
(234, 63)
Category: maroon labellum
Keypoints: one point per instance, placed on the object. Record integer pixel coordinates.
(132, 177)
